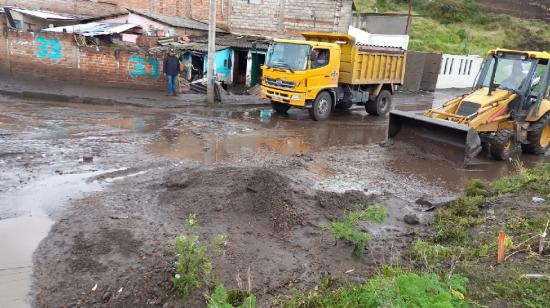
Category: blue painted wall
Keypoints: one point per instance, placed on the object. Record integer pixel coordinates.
(224, 65)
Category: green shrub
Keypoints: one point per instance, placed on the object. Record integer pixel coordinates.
(346, 228)
(193, 267)
(221, 298)
(375, 213)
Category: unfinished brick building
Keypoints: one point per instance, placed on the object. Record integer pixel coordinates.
(261, 17)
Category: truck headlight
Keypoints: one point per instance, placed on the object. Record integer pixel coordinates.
(295, 97)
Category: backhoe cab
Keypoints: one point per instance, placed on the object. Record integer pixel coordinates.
(508, 108)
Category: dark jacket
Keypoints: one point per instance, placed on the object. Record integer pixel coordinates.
(171, 65)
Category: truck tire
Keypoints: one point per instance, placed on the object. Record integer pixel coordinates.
(280, 108)
(502, 144)
(321, 108)
(538, 136)
(381, 105)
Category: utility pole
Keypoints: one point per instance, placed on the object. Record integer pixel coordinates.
(211, 53)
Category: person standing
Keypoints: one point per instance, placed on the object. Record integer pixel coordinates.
(171, 71)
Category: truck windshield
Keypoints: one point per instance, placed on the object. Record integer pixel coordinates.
(511, 73)
(288, 56)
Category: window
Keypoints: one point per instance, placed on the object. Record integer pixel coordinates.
(18, 24)
(320, 58)
(286, 55)
(537, 82)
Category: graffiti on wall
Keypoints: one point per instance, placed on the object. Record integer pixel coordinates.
(139, 66)
(48, 51)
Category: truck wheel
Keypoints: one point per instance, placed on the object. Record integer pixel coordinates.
(321, 107)
(280, 107)
(538, 136)
(502, 144)
(381, 105)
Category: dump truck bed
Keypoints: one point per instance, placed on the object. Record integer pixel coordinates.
(360, 64)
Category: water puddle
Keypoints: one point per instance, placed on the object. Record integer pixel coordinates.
(29, 224)
(19, 237)
(137, 124)
(266, 134)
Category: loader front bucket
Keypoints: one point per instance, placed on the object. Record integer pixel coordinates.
(440, 133)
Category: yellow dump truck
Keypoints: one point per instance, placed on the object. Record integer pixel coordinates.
(329, 70)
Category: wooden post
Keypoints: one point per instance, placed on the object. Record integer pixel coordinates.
(501, 238)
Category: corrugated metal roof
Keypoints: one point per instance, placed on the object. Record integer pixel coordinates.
(200, 47)
(44, 14)
(175, 21)
(94, 28)
(379, 40)
(237, 41)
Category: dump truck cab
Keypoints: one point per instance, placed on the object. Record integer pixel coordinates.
(296, 71)
(327, 71)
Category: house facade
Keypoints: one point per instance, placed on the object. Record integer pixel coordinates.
(280, 18)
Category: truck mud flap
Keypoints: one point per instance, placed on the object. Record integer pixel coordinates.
(446, 137)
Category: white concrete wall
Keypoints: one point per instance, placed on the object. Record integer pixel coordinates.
(458, 71)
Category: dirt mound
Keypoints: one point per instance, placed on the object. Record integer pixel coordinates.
(259, 192)
(122, 240)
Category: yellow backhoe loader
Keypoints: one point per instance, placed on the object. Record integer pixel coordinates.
(508, 109)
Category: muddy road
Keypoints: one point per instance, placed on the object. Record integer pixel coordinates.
(269, 182)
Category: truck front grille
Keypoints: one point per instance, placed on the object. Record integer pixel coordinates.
(280, 83)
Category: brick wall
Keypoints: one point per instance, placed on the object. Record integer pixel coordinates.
(200, 10)
(289, 17)
(55, 57)
(4, 65)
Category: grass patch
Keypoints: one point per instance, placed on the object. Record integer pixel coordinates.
(394, 287)
(347, 227)
(461, 27)
(222, 298)
(535, 180)
(465, 242)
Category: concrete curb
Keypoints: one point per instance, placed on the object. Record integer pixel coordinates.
(44, 96)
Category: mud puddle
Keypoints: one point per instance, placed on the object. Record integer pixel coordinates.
(26, 223)
(264, 133)
(453, 175)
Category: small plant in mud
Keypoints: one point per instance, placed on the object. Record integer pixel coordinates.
(346, 228)
(194, 267)
(222, 298)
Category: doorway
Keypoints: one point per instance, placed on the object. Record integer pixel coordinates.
(258, 59)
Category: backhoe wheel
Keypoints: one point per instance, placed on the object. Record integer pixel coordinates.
(280, 107)
(321, 107)
(538, 136)
(381, 105)
(502, 144)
